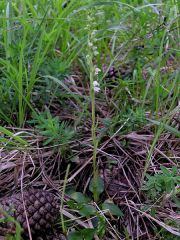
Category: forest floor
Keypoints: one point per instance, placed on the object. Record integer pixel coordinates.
(90, 112)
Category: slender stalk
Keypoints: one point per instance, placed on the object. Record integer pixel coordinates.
(94, 87)
(93, 128)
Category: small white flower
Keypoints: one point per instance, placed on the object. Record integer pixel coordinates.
(93, 33)
(97, 70)
(97, 89)
(96, 53)
(96, 86)
(90, 44)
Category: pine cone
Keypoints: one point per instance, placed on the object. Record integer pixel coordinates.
(40, 206)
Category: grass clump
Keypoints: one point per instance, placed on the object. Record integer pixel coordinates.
(54, 132)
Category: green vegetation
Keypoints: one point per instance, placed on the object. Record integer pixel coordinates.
(163, 182)
(94, 84)
(51, 128)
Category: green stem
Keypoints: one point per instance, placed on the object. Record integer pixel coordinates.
(93, 129)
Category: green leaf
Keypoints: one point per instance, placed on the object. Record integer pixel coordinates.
(177, 201)
(165, 171)
(96, 186)
(178, 180)
(170, 129)
(88, 233)
(174, 171)
(76, 235)
(101, 226)
(148, 176)
(87, 210)
(153, 212)
(12, 135)
(79, 197)
(73, 205)
(169, 185)
(113, 209)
